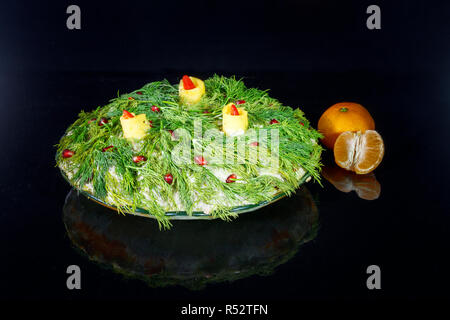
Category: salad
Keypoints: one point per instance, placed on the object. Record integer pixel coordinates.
(196, 146)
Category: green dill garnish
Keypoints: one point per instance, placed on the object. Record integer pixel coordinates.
(116, 179)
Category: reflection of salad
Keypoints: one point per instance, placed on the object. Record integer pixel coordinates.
(143, 150)
(199, 252)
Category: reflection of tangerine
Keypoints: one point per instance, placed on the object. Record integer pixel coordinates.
(343, 116)
(366, 186)
(359, 152)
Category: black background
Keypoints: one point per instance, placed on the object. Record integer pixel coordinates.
(311, 54)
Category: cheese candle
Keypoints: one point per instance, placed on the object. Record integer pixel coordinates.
(135, 127)
(191, 90)
(234, 125)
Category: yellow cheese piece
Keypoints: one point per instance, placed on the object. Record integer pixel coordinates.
(136, 127)
(234, 125)
(192, 96)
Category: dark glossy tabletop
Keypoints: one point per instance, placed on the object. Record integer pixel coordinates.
(316, 245)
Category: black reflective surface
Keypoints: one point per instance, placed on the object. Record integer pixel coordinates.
(401, 74)
(199, 252)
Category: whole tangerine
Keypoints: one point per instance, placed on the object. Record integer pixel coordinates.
(341, 117)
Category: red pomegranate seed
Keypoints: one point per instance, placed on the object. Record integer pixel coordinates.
(173, 134)
(234, 111)
(187, 83)
(302, 123)
(127, 115)
(273, 121)
(102, 122)
(67, 153)
(231, 178)
(200, 160)
(137, 159)
(107, 148)
(254, 144)
(130, 98)
(92, 120)
(169, 178)
(240, 102)
(139, 93)
(206, 111)
(150, 122)
(155, 109)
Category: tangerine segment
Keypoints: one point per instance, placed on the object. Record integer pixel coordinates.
(360, 152)
(344, 151)
(371, 154)
(341, 117)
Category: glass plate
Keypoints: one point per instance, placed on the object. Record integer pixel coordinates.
(182, 215)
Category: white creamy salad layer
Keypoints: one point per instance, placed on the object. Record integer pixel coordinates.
(207, 208)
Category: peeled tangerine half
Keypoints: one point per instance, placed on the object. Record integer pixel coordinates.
(234, 124)
(191, 90)
(135, 127)
(360, 152)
